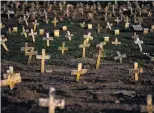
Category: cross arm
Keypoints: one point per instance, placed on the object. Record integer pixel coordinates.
(60, 103)
(43, 102)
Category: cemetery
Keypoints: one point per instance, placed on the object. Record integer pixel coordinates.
(77, 56)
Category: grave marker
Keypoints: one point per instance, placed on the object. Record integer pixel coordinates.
(120, 57)
(35, 24)
(30, 54)
(41, 31)
(12, 79)
(2, 41)
(55, 22)
(32, 34)
(47, 38)
(90, 26)
(26, 48)
(84, 46)
(88, 37)
(136, 71)
(63, 48)
(56, 33)
(43, 57)
(100, 53)
(51, 102)
(116, 31)
(139, 42)
(69, 35)
(24, 32)
(116, 42)
(78, 72)
(109, 25)
(25, 19)
(149, 107)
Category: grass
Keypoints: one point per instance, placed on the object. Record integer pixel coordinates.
(16, 41)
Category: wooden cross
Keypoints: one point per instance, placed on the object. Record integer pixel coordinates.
(32, 34)
(63, 48)
(46, 17)
(8, 13)
(12, 79)
(99, 28)
(69, 35)
(35, 24)
(43, 57)
(84, 46)
(30, 54)
(24, 32)
(117, 20)
(82, 24)
(55, 22)
(78, 72)
(109, 25)
(1, 25)
(2, 41)
(51, 102)
(136, 70)
(100, 53)
(139, 42)
(120, 57)
(88, 37)
(116, 42)
(47, 38)
(25, 19)
(149, 107)
(26, 49)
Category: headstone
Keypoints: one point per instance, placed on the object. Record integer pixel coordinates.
(56, 33)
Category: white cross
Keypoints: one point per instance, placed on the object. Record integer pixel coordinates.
(32, 34)
(69, 35)
(120, 57)
(117, 20)
(25, 19)
(109, 25)
(48, 38)
(138, 42)
(51, 102)
(8, 13)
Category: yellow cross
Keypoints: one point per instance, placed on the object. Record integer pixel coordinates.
(55, 22)
(136, 70)
(149, 107)
(83, 46)
(79, 71)
(116, 42)
(63, 48)
(12, 79)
